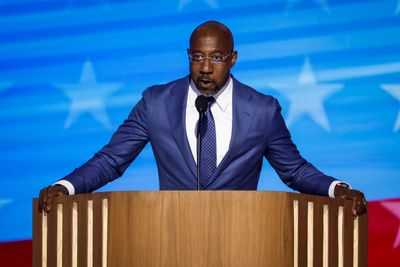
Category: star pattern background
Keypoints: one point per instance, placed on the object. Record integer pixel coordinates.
(394, 208)
(89, 96)
(71, 71)
(394, 90)
(307, 97)
(323, 4)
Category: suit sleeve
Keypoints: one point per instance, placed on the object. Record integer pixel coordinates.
(291, 167)
(114, 158)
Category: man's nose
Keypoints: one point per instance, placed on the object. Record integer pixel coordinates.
(206, 66)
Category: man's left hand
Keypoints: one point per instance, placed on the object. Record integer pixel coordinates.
(357, 197)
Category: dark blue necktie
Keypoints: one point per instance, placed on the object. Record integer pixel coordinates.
(208, 156)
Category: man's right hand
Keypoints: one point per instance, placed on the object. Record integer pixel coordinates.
(48, 194)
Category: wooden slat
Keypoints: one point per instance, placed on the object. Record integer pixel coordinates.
(333, 234)
(341, 236)
(74, 234)
(310, 234)
(60, 240)
(325, 236)
(302, 232)
(36, 235)
(52, 236)
(295, 233)
(104, 232)
(82, 232)
(355, 241)
(67, 237)
(348, 235)
(318, 233)
(97, 232)
(363, 241)
(44, 244)
(90, 234)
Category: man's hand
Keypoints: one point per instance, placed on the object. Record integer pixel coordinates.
(48, 194)
(357, 197)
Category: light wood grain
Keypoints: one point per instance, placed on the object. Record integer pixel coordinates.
(206, 228)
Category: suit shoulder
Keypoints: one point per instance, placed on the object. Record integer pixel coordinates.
(163, 89)
(260, 99)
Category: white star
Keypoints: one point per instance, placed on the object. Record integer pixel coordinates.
(394, 208)
(307, 97)
(210, 3)
(394, 90)
(4, 202)
(88, 96)
(323, 4)
(398, 8)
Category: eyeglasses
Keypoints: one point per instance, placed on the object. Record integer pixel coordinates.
(214, 59)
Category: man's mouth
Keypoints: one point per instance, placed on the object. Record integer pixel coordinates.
(205, 81)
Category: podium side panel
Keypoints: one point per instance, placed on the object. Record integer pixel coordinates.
(36, 235)
(348, 235)
(67, 232)
(52, 236)
(82, 231)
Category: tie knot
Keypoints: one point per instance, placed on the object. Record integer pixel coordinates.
(211, 100)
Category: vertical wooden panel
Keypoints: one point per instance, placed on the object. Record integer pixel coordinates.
(302, 232)
(333, 234)
(325, 236)
(74, 235)
(59, 234)
(52, 237)
(341, 236)
(67, 232)
(97, 232)
(36, 235)
(355, 242)
(90, 233)
(44, 239)
(295, 233)
(318, 233)
(363, 240)
(104, 232)
(310, 234)
(82, 232)
(348, 235)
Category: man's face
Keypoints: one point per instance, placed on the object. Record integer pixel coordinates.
(209, 77)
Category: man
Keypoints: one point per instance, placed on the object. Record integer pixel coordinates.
(239, 127)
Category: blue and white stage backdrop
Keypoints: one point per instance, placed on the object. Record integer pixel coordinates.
(71, 70)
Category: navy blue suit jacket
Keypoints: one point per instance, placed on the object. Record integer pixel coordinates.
(258, 130)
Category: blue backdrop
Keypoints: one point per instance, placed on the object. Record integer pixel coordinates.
(70, 72)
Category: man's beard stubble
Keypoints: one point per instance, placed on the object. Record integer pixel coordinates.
(210, 93)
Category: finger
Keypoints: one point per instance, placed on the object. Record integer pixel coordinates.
(49, 200)
(43, 198)
(354, 207)
(362, 209)
(361, 206)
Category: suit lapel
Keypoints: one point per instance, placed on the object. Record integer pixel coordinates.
(242, 113)
(177, 115)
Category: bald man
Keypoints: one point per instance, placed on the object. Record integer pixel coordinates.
(240, 126)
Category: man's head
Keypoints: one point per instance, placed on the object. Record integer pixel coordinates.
(211, 56)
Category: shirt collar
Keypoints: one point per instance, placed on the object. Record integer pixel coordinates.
(223, 98)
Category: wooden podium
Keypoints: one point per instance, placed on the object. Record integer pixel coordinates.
(199, 228)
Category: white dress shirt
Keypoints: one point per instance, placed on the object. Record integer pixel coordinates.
(222, 114)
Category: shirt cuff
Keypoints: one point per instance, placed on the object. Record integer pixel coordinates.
(68, 185)
(331, 191)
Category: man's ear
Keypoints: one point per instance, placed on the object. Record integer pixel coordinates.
(233, 58)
